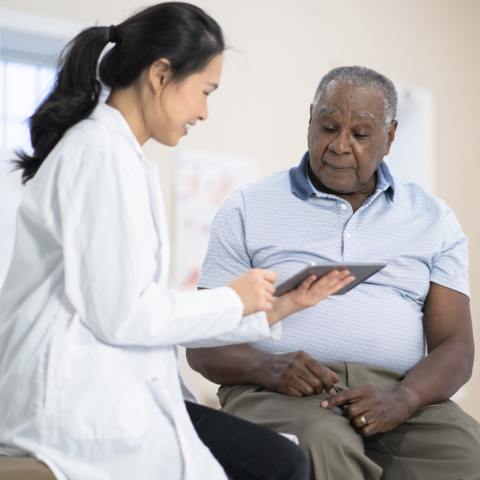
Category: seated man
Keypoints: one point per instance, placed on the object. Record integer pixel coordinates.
(350, 376)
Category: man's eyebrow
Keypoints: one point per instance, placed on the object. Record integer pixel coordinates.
(328, 109)
(362, 116)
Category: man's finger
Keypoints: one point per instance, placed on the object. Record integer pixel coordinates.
(323, 374)
(301, 386)
(309, 377)
(349, 395)
(357, 409)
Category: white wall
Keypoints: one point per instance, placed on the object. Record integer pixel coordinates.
(283, 47)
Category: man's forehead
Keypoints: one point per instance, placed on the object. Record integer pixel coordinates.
(340, 96)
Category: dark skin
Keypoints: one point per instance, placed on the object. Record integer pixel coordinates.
(346, 146)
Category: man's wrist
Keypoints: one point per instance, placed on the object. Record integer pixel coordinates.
(259, 368)
(410, 398)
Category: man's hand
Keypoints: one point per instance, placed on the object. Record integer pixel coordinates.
(296, 374)
(307, 294)
(372, 410)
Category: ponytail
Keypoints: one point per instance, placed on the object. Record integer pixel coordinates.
(74, 96)
(180, 32)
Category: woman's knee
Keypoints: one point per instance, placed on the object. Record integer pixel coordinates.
(291, 462)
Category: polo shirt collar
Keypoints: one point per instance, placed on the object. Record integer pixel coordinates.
(301, 187)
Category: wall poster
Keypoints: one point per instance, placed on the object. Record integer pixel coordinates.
(203, 181)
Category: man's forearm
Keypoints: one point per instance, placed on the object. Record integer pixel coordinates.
(230, 365)
(448, 366)
(439, 375)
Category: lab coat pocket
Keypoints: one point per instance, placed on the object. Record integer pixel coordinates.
(101, 399)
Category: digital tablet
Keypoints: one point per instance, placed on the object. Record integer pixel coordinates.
(361, 271)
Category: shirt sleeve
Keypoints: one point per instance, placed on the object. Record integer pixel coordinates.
(450, 265)
(111, 264)
(227, 255)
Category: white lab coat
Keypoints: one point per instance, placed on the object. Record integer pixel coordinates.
(89, 376)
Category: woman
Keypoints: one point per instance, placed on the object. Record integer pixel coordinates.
(88, 365)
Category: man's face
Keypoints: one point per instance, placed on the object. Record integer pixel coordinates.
(347, 137)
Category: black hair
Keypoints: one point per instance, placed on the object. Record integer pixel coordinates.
(182, 33)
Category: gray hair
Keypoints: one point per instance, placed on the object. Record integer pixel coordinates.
(364, 77)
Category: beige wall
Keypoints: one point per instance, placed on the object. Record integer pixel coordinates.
(283, 47)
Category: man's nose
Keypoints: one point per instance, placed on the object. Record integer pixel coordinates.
(341, 143)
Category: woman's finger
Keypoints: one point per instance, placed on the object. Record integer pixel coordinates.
(269, 287)
(305, 285)
(342, 283)
(269, 275)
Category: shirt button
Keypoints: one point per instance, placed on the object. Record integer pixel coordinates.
(343, 206)
(348, 235)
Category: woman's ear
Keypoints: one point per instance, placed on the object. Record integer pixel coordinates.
(159, 74)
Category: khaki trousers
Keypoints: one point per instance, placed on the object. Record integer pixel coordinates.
(439, 442)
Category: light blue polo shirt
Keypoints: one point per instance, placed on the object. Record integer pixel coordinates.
(283, 224)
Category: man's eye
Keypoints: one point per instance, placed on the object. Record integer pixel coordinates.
(328, 129)
(360, 135)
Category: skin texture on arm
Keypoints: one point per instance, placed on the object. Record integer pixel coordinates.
(448, 366)
(296, 373)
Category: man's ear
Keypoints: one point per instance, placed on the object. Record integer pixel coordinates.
(312, 108)
(159, 74)
(391, 135)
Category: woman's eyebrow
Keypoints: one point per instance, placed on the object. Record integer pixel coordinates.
(214, 85)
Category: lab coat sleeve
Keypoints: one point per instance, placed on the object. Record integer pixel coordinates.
(250, 326)
(110, 266)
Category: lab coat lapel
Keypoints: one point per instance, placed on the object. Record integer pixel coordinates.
(115, 120)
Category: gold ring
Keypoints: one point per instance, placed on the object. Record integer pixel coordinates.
(362, 420)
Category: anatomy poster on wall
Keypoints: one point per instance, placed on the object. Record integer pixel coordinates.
(203, 181)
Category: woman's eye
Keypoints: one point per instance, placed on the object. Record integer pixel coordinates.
(206, 94)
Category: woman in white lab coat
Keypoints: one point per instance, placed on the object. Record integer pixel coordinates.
(89, 378)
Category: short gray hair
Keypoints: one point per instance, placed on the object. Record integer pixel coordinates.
(363, 77)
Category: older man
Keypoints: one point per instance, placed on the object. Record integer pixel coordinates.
(350, 376)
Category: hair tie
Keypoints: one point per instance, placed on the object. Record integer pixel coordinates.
(111, 34)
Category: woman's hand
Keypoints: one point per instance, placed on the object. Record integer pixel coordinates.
(255, 288)
(308, 294)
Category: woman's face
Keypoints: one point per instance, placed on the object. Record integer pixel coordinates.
(174, 107)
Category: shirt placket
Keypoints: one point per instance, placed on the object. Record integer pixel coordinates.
(351, 221)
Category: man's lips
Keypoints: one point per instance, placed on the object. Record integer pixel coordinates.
(337, 167)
